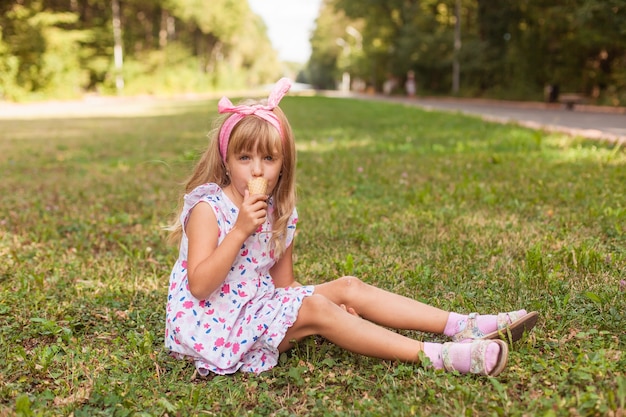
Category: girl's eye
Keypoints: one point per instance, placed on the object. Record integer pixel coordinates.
(269, 158)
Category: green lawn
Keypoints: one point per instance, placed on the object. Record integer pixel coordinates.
(454, 211)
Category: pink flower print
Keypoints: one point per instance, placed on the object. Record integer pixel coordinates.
(219, 342)
(254, 261)
(184, 264)
(227, 345)
(202, 303)
(242, 294)
(235, 347)
(245, 252)
(241, 267)
(226, 288)
(210, 311)
(188, 304)
(198, 347)
(248, 319)
(260, 229)
(177, 330)
(222, 320)
(259, 327)
(176, 341)
(172, 286)
(180, 314)
(207, 325)
(294, 221)
(239, 331)
(286, 300)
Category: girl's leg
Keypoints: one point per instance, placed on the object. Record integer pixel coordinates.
(319, 315)
(384, 307)
(393, 310)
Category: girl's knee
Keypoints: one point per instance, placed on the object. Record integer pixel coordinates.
(316, 305)
(349, 285)
(348, 279)
(316, 311)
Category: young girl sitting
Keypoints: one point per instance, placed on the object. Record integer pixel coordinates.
(233, 301)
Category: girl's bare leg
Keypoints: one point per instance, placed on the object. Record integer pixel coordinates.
(383, 307)
(321, 316)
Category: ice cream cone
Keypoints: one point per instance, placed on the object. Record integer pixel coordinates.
(257, 186)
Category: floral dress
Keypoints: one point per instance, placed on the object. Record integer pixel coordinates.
(240, 325)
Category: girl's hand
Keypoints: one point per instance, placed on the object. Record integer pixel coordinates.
(349, 310)
(252, 213)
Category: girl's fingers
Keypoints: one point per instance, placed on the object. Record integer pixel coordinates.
(349, 310)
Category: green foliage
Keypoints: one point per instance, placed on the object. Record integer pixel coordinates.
(9, 67)
(41, 56)
(448, 209)
(222, 18)
(509, 49)
(63, 49)
(165, 71)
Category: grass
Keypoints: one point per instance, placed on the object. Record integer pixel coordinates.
(451, 210)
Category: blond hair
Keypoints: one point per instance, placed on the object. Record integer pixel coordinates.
(250, 134)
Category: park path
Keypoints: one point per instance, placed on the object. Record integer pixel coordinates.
(593, 122)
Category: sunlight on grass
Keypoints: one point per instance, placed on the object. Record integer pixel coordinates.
(568, 149)
(104, 108)
(333, 145)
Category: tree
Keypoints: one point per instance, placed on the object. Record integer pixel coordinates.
(66, 47)
(41, 54)
(510, 48)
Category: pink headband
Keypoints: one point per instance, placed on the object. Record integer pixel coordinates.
(263, 111)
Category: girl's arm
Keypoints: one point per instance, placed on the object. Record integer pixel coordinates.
(282, 271)
(208, 263)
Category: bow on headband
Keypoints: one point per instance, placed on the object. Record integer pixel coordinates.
(239, 112)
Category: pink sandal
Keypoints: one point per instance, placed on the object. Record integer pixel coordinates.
(477, 361)
(511, 326)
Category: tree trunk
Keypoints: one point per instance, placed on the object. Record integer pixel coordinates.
(117, 48)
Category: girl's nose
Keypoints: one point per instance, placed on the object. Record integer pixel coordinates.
(257, 168)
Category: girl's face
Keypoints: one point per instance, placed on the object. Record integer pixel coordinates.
(246, 165)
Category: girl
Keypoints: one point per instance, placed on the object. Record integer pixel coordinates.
(233, 301)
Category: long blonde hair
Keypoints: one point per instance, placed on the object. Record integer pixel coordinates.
(251, 133)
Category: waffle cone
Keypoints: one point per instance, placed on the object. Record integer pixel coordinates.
(257, 186)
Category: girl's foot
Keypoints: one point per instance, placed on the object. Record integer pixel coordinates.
(510, 326)
(482, 357)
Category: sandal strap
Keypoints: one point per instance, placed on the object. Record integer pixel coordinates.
(477, 355)
(445, 356)
(470, 330)
(505, 319)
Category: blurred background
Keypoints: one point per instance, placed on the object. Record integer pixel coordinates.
(505, 49)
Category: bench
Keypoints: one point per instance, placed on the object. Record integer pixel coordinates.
(571, 99)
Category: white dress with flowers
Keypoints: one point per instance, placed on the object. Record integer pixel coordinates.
(240, 325)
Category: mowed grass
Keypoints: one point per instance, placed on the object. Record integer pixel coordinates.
(457, 212)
